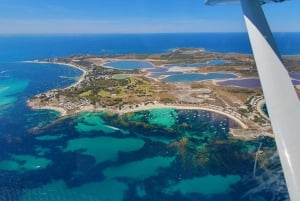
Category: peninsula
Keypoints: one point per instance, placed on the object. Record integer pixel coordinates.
(103, 87)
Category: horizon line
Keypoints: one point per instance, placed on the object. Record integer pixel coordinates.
(139, 33)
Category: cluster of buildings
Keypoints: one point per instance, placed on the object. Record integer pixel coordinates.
(74, 105)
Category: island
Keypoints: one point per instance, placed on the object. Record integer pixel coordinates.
(182, 78)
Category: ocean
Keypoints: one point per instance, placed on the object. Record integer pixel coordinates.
(162, 154)
(27, 47)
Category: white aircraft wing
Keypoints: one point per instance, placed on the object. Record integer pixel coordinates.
(281, 98)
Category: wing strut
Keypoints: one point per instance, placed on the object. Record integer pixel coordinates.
(281, 98)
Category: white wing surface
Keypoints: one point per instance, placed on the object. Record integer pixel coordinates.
(281, 98)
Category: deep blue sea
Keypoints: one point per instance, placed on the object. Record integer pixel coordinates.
(162, 154)
(20, 47)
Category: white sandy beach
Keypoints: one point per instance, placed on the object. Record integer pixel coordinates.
(61, 110)
(159, 105)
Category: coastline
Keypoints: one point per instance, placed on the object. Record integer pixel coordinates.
(68, 108)
(60, 110)
(141, 107)
(63, 112)
(84, 71)
(180, 107)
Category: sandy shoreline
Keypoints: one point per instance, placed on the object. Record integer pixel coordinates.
(65, 64)
(141, 107)
(158, 105)
(63, 112)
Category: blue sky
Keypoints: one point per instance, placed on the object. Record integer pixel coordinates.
(135, 16)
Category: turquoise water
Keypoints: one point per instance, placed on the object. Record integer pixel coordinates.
(9, 88)
(163, 154)
(166, 117)
(93, 122)
(167, 154)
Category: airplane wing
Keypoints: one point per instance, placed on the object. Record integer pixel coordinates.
(281, 98)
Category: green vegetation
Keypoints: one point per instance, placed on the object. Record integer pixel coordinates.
(103, 90)
(115, 89)
(86, 93)
(240, 90)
